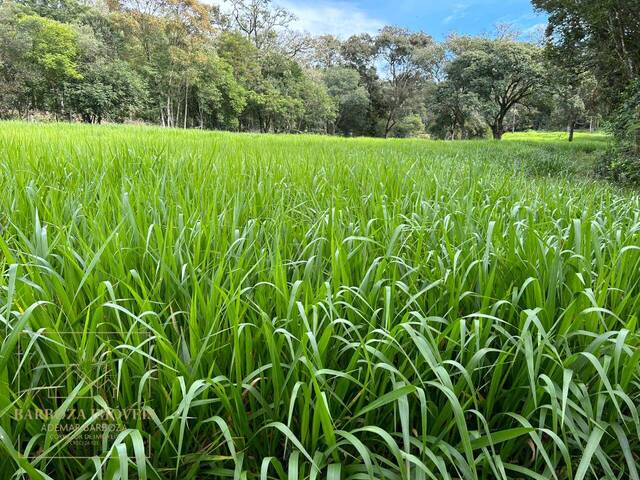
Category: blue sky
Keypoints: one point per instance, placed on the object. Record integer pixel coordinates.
(438, 18)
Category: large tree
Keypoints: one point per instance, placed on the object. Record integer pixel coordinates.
(606, 35)
(52, 53)
(168, 41)
(609, 30)
(359, 53)
(573, 95)
(501, 74)
(408, 60)
(453, 113)
(107, 90)
(15, 71)
(65, 11)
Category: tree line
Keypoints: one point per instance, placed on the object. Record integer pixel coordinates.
(239, 65)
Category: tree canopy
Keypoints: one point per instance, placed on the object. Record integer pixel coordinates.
(500, 74)
(600, 39)
(240, 65)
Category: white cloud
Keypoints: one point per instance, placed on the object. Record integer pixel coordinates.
(458, 11)
(534, 33)
(535, 29)
(331, 17)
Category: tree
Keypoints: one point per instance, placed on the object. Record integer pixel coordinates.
(241, 66)
(607, 32)
(351, 99)
(408, 60)
(320, 110)
(608, 29)
(359, 52)
(167, 41)
(454, 113)
(241, 55)
(274, 101)
(500, 73)
(107, 90)
(64, 11)
(52, 53)
(259, 21)
(409, 126)
(325, 52)
(15, 70)
(220, 99)
(573, 93)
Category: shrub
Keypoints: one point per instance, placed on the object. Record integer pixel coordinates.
(622, 162)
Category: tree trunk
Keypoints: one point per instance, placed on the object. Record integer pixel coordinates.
(168, 112)
(390, 123)
(186, 104)
(497, 130)
(636, 146)
(571, 129)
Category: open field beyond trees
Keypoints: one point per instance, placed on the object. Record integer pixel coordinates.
(283, 307)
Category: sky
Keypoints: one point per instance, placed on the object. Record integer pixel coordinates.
(435, 17)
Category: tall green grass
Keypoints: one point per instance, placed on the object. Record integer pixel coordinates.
(292, 307)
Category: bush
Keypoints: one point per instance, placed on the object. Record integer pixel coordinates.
(622, 162)
(619, 165)
(409, 126)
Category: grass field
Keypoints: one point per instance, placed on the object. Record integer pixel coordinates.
(293, 307)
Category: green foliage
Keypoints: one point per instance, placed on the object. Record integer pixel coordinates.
(38, 55)
(622, 162)
(15, 72)
(53, 47)
(604, 37)
(243, 57)
(110, 91)
(409, 126)
(65, 11)
(220, 98)
(408, 61)
(499, 73)
(351, 97)
(626, 123)
(454, 113)
(602, 34)
(319, 107)
(243, 67)
(620, 166)
(305, 307)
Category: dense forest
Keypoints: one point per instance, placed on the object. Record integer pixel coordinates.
(239, 65)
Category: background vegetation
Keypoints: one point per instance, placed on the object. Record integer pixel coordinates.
(238, 65)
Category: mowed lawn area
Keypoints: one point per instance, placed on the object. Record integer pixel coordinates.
(291, 307)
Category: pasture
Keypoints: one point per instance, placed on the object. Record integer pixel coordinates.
(290, 307)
